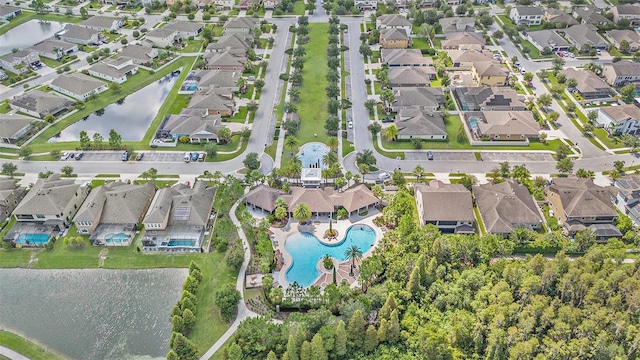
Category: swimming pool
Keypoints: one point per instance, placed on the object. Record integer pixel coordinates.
(306, 250)
(32, 239)
(175, 243)
(311, 154)
(473, 123)
(117, 238)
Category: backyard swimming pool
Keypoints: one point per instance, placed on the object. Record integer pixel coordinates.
(306, 250)
(37, 239)
(117, 238)
(311, 155)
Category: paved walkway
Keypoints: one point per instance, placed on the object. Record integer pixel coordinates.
(6, 352)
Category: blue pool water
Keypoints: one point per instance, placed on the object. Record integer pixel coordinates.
(181, 243)
(312, 154)
(37, 239)
(117, 238)
(473, 123)
(306, 250)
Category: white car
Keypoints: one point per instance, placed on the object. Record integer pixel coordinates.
(350, 125)
(65, 156)
(522, 70)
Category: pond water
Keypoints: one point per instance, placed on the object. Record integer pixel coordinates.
(94, 313)
(28, 34)
(130, 118)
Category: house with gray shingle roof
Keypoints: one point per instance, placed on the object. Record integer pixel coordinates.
(625, 194)
(8, 13)
(241, 25)
(212, 102)
(117, 70)
(237, 42)
(192, 124)
(19, 62)
(404, 57)
(10, 195)
(80, 35)
(621, 72)
(506, 206)
(630, 12)
(488, 99)
(115, 208)
(426, 98)
(630, 36)
(51, 201)
(227, 60)
(411, 76)
(502, 125)
(141, 55)
(100, 23)
(622, 119)
(456, 217)
(588, 84)
(78, 85)
(526, 15)
(185, 29)
(558, 17)
(420, 124)
(54, 49)
(178, 217)
(463, 40)
(457, 24)
(548, 38)
(162, 37)
(583, 35)
(15, 126)
(590, 14)
(394, 39)
(394, 21)
(578, 204)
(40, 104)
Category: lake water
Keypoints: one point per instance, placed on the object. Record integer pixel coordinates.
(130, 119)
(27, 35)
(94, 313)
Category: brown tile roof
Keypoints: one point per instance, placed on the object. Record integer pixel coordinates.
(505, 206)
(264, 197)
(582, 198)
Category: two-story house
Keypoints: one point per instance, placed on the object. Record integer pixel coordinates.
(622, 119)
(630, 12)
(394, 21)
(526, 15)
(10, 196)
(625, 194)
(621, 72)
(456, 217)
(588, 84)
(394, 39)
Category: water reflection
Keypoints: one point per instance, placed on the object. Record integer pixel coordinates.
(130, 118)
(92, 314)
(28, 34)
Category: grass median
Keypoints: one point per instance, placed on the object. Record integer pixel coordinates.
(25, 347)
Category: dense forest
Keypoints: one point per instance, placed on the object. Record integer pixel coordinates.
(427, 295)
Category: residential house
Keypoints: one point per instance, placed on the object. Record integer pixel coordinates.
(8, 13)
(141, 55)
(426, 98)
(78, 86)
(111, 213)
(630, 36)
(558, 17)
(411, 76)
(241, 25)
(394, 21)
(526, 15)
(185, 29)
(19, 62)
(630, 12)
(224, 4)
(487, 98)
(465, 59)
(202, 80)
(227, 60)
(117, 70)
(457, 24)
(590, 15)
(238, 42)
(40, 104)
(463, 40)
(10, 196)
(363, 5)
(80, 35)
(420, 124)
(270, 4)
(502, 125)
(548, 38)
(14, 126)
(622, 119)
(54, 49)
(51, 201)
(162, 37)
(506, 206)
(213, 102)
(196, 124)
(247, 4)
(621, 72)
(578, 204)
(102, 23)
(394, 39)
(625, 194)
(456, 217)
(588, 84)
(178, 218)
(404, 57)
(489, 73)
(585, 36)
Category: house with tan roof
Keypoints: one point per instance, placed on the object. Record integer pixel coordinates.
(590, 14)
(456, 217)
(241, 25)
(630, 12)
(420, 124)
(40, 104)
(487, 98)
(622, 119)
(404, 57)
(549, 39)
(583, 36)
(411, 76)
(393, 38)
(463, 40)
(464, 59)
(54, 49)
(78, 86)
(196, 124)
(117, 70)
(80, 35)
(227, 60)
(502, 125)
(203, 80)
(101, 23)
(588, 84)
(578, 204)
(141, 55)
(426, 98)
(238, 42)
(178, 218)
(505, 206)
(621, 72)
(111, 213)
(630, 36)
(558, 17)
(213, 102)
(263, 197)
(394, 21)
(489, 73)
(457, 24)
(51, 201)
(14, 126)
(10, 196)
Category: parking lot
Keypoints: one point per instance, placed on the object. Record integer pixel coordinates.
(117, 156)
(516, 156)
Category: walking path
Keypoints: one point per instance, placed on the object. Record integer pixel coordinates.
(6, 352)
(243, 311)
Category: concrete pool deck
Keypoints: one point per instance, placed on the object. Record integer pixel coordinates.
(317, 226)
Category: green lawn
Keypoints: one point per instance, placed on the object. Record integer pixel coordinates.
(420, 43)
(192, 46)
(312, 106)
(25, 347)
(534, 53)
(452, 123)
(298, 7)
(347, 147)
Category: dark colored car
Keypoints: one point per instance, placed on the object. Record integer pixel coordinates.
(139, 156)
(194, 156)
(125, 156)
(388, 120)
(429, 155)
(79, 155)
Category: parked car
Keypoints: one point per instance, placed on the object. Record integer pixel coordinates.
(350, 125)
(139, 156)
(388, 120)
(65, 156)
(384, 176)
(202, 156)
(79, 155)
(71, 155)
(429, 155)
(187, 157)
(560, 54)
(125, 156)
(194, 156)
(522, 70)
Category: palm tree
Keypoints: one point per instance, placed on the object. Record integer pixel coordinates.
(242, 82)
(292, 142)
(391, 133)
(302, 213)
(340, 182)
(332, 143)
(281, 202)
(353, 253)
(418, 172)
(329, 158)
